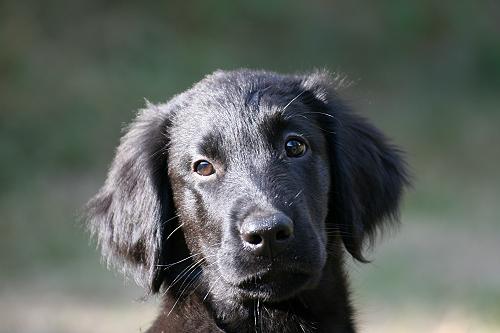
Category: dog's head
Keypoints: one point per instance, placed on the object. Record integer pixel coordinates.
(244, 182)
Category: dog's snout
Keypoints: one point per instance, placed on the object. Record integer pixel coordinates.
(267, 235)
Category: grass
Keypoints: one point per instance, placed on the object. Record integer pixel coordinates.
(72, 74)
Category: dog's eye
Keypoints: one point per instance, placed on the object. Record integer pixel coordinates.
(295, 147)
(203, 168)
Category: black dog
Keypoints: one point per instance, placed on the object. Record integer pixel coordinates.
(237, 198)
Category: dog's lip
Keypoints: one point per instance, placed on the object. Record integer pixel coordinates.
(270, 279)
(269, 272)
(267, 279)
(271, 285)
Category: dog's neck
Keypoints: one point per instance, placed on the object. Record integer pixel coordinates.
(323, 309)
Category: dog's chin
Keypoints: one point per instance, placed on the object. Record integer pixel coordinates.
(270, 286)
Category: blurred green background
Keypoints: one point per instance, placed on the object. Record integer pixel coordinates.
(72, 73)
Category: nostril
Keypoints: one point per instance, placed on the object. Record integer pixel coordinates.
(283, 234)
(252, 238)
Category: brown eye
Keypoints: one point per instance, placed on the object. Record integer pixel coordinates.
(204, 168)
(295, 148)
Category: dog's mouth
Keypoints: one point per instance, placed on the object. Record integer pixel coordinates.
(272, 285)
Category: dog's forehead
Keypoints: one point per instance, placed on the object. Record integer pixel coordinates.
(231, 111)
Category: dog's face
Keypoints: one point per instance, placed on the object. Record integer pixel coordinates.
(250, 179)
(244, 181)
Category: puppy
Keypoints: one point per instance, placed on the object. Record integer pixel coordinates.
(238, 199)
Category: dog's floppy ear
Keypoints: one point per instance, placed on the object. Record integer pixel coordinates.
(369, 173)
(133, 210)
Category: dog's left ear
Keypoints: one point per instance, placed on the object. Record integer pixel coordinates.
(369, 173)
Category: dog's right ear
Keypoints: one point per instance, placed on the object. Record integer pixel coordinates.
(134, 208)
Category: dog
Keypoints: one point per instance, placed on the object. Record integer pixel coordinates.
(240, 198)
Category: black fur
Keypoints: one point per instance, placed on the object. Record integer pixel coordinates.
(182, 234)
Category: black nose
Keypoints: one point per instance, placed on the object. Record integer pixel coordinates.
(267, 235)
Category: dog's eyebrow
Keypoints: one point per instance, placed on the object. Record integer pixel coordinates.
(272, 125)
(211, 146)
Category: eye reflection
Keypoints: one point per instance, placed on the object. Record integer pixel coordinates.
(295, 147)
(203, 168)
